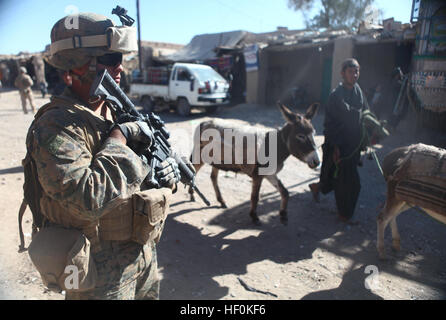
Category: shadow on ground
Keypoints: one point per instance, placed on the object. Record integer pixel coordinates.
(192, 259)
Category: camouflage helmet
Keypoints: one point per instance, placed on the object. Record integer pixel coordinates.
(92, 35)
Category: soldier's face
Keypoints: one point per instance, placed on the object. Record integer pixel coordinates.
(112, 63)
(82, 88)
(115, 71)
(350, 76)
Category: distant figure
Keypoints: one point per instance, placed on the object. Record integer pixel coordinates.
(376, 97)
(43, 88)
(385, 104)
(398, 86)
(24, 83)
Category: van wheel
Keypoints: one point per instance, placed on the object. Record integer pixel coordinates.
(183, 108)
(147, 104)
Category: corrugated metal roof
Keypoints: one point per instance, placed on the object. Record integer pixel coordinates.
(202, 47)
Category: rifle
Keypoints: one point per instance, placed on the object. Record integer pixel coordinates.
(104, 87)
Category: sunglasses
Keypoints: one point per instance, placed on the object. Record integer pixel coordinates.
(110, 59)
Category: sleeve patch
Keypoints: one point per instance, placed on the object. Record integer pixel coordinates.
(53, 144)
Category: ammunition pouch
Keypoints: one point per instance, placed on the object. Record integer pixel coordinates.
(150, 209)
(63, 259)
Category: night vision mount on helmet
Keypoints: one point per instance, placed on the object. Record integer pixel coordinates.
(74, 45)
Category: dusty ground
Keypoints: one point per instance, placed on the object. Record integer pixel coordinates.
(204, 251)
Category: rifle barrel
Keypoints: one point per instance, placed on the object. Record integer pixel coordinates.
(201, 195)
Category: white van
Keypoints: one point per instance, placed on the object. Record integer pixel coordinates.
(186, 86)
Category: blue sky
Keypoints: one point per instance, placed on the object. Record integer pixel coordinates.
(25, 25)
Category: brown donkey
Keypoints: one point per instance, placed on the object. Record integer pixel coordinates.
(295, 138)
(415, 176)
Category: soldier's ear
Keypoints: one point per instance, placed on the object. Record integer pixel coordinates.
(67, 78)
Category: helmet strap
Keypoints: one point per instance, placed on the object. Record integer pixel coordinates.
(90, 75)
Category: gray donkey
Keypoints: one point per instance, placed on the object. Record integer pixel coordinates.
(295, 138)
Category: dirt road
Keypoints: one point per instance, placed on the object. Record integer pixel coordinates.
(205, 251)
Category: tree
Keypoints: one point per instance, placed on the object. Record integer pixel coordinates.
(335, 14)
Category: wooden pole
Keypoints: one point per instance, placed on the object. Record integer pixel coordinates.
(139, 37)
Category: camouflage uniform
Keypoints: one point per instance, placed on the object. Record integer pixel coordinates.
(89, 181)
(125, 272)
(86, 176)
(24, 83)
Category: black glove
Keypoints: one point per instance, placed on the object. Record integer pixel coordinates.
(136, 131)
(167, 173)
(191, 168)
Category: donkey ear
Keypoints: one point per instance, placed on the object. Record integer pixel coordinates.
(289, 115)
(312, 110)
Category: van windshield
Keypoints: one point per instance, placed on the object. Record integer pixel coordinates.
(205, 74)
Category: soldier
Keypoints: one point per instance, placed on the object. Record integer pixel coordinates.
(24, 83)
(43, 88)
(90, 181)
